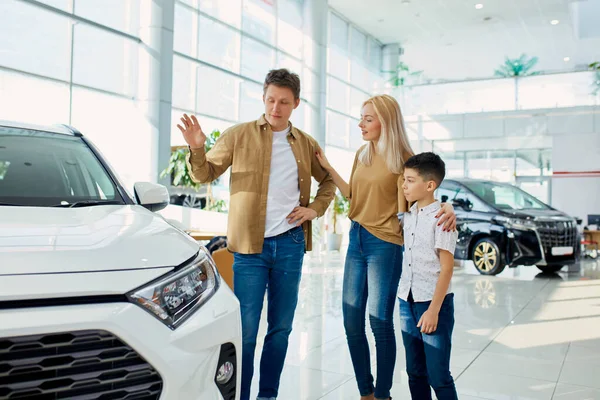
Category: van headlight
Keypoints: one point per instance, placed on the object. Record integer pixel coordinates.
(174, 297)
(516, 223)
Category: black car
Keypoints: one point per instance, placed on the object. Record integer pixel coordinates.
(501, 225)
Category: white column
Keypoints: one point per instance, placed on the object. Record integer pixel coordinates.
(155, 79)
(391, 57)
(315, 28)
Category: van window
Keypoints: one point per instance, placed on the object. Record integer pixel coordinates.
(449, 191)
(505, 197)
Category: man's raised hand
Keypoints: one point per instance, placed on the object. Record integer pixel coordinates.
(192, 133)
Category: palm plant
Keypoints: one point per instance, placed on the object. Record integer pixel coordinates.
(517, 67)
(401, 74)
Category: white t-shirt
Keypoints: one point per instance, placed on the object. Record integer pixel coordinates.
(284, 193)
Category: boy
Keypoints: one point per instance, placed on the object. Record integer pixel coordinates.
(426, 304)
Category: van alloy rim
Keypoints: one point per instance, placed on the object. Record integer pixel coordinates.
(485, 257)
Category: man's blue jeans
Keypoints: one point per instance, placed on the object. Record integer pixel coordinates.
(372, 270)
(428, 356)
(276, 270)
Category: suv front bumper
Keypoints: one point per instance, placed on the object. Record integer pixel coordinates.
(187, 359)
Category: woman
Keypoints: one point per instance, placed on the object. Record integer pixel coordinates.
(374, 259)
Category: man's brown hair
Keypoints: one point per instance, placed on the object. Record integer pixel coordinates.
(283, 78)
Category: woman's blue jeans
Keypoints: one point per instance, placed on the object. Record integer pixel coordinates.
(372, 270)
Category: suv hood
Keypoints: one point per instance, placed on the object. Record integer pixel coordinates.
(43, 240)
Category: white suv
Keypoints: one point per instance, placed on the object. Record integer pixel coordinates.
(101, 298)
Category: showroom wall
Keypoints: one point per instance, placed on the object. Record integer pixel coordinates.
(84, 63)
(123, 71)
(560, 147)
(223, 50)
(354, 61)
(576, 161)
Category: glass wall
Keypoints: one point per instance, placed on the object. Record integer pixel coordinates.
(80, 63)
(222, 51)
(353, 75)
(76, 62)
(498, 165)
(531, 92)
(531, 170)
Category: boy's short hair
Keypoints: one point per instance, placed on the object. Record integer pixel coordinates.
(429, 166)
(283, 78)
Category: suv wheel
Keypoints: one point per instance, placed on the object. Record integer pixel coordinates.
(550, 269)
(487, 258)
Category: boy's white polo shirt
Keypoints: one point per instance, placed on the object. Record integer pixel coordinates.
(422, 241)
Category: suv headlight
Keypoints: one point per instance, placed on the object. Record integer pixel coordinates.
(176, 296)
(515, 223)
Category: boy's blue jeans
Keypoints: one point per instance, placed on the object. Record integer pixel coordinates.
(277, 270)
(372, 270)
(428, 356)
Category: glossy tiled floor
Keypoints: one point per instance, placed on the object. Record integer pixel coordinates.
(519, 335)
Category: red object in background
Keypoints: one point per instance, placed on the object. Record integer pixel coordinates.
(575, 174)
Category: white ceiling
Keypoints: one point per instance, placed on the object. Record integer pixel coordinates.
(449, 39)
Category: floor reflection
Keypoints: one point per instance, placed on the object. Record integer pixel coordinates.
(522, 334)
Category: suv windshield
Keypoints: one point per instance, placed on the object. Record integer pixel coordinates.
(505, 197)
(48, 169)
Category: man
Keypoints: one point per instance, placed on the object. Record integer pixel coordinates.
(269, 224)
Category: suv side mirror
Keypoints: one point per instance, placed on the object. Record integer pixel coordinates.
(152, 196)
(462, 203)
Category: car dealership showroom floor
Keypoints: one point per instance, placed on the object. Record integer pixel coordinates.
(519, 335)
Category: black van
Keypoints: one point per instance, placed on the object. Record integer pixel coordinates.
(500, 225)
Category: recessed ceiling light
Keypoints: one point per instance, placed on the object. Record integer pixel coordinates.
(479, 6)
(567, 59)
(554, 22)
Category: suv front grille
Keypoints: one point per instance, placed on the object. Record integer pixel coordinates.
(557, 234)
(81, 365)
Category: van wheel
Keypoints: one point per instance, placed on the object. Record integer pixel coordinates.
(487, 258)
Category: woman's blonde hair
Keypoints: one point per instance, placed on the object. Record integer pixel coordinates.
(393, 144)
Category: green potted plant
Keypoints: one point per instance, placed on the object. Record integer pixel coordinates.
(180, 176)
(339, 209)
